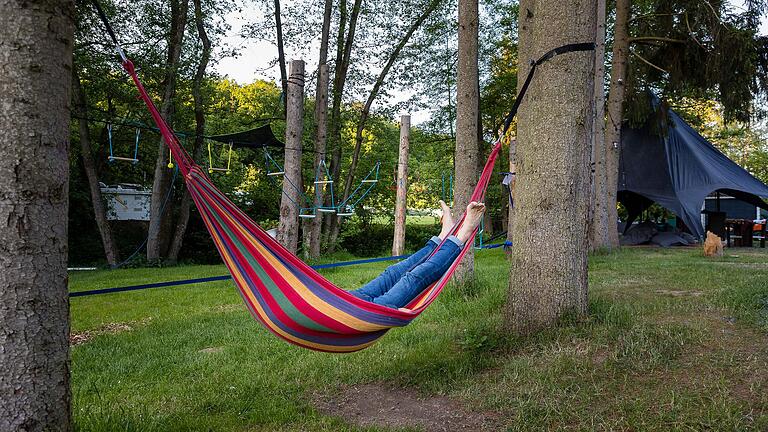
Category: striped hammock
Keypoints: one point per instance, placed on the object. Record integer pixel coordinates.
(286, 295)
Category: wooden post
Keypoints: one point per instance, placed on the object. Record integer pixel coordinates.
(398, 244)
(288, 230)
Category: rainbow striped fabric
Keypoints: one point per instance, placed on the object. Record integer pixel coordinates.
(286, 295)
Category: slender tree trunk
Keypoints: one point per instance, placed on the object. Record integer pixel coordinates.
(281, 54)
(467, 105)
(620, 60)
(35, 81)
(340, 78)
(549, 272)
(186, 201)
(314, 226)
(159, 221)
(401, 202)
(288, 230)
(99, 211)
(599, 226)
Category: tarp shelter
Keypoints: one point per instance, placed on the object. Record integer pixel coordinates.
(668, 162)
(254, 138)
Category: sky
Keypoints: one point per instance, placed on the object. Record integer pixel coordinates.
(255, 56)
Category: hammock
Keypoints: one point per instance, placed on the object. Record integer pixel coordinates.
(291, 299)
(286, 295)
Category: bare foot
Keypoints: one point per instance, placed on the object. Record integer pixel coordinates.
(475, 212)
(446, 219)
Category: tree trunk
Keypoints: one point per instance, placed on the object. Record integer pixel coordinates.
(281, 55)
(339, 81)
(186, 201)
(549, 271)
(99, 211)
(35, 80)
(527, 20)
(467, 104)
(401, 208)
(620, 60)
(314, 226)
(288, 230)
(599, 226)
(159, 220)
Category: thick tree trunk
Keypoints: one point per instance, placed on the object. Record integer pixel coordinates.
(467, 109)
(549, 272)
(313, 226)
(281, 54)
(99, 211)
(620, 60)
(158, 235)
(288, 230)
(35, 80)
(599, 226)
(398, 244)
(186, 201)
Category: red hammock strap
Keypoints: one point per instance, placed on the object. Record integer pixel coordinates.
(182, 158)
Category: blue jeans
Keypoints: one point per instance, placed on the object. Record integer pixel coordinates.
(400, 283)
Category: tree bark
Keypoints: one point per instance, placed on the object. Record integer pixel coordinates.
(99, 211)
(281, 54)
(620, 60)
(186, 201)
(313, 227)
(35, 82)
(467, 109)
(526, 22)
(549, 271)
(159, 220)
(401, 208)
(288, 230)
(599, 226)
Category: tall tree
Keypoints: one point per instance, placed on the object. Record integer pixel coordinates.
(549, 273)
(343, 58)
(467, 117)
(35, 82)
(99, 211)
(160, 217)
(599, 235)
(186, 201)
(313, 226)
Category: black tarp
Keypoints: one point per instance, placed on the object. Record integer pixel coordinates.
(254, 138)
(668, 162)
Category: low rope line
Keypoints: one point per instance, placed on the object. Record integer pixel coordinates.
(222, 278)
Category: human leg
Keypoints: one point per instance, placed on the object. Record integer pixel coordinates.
(423, 275)
(386, 280)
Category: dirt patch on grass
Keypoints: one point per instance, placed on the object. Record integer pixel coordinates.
(383, 405)
(80, 338)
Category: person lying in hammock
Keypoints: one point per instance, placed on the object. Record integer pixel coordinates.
(402, 282)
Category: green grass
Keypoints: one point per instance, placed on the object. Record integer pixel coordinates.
(673, 341)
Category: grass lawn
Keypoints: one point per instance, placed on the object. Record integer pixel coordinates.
(673, 341)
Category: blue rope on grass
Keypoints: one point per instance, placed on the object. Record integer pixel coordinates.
(221, 278)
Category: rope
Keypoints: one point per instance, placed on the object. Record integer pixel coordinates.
(222, 278)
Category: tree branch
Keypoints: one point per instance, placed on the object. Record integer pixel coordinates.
(640, 39)
(648, 62)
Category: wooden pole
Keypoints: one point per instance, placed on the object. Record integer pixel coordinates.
(398, 245)
(288, 230)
